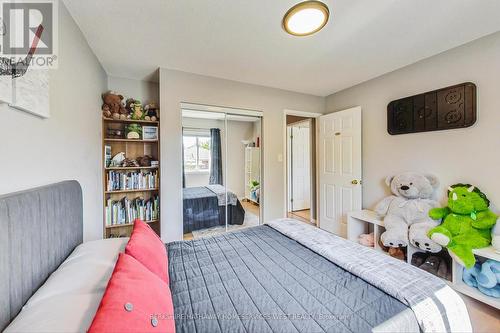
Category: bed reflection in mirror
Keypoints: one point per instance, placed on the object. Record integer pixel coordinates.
(221, 170)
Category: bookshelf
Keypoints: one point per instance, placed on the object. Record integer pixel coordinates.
(129, 191)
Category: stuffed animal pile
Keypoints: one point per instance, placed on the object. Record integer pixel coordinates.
(485, 277)
(467, 223)
(114, 108)
(405, 213)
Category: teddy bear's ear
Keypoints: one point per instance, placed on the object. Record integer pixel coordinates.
(433, 180)
(388, 180)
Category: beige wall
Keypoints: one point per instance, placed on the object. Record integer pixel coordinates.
(463, 155)
(177, 87)
(144, 91)
(67, 145)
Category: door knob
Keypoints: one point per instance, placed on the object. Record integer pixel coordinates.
(354, 182)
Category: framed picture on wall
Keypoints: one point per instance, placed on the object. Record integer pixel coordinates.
(30, 92)
(149, 133)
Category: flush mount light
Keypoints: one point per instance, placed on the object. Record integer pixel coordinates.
(306, 18)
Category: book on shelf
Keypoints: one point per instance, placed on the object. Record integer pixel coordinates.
(122, 181)
(125, 211)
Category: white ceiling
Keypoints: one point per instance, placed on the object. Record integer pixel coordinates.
(243, 40)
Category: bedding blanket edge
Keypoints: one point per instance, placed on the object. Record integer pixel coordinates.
(437, 307)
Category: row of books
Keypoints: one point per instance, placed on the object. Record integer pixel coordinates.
(121, 181)
(125, 211)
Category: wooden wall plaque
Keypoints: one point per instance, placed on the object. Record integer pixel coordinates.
(447, 108)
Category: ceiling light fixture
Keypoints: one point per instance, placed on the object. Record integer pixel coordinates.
(306, 18)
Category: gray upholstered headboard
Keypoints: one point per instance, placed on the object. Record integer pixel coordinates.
(38, 229)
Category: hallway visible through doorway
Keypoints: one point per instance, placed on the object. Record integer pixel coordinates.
(301, 173)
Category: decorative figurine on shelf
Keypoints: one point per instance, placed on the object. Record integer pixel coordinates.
(134, 131)
(408, 208)
(151, 112)
(467, 223)
(134, 107)
(112, 106)
(117, 160)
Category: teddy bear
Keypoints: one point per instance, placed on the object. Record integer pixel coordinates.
(408, 208)
(112, 106)
(467, 223)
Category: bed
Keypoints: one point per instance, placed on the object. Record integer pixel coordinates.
(282, 277)
(204, 207)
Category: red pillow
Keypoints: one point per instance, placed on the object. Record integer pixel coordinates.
(135, 300)
(145, 246)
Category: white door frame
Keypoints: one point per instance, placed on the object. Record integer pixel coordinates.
(284, 157)
(290, 164)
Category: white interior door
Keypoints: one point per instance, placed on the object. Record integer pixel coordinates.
(339, 167)
(301, 167)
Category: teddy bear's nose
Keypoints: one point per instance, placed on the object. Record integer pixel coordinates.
(404, 188)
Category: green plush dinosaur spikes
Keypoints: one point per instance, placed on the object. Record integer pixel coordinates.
(467, 223)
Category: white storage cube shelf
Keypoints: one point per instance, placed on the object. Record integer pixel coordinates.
(366, 221)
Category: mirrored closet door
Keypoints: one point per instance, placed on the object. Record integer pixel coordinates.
(221, 171)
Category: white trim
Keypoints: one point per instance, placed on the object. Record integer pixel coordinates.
(289, 112)
(221, 109)
(302, 113)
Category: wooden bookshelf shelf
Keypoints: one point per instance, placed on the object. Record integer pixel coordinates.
(131, 121)
(130, 140)
(128, 224)
(139, 202)
(131, 168)
(132, 191)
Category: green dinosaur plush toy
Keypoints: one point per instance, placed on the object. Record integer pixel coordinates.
(467, 223)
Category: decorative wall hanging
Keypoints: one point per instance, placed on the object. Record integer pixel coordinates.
(23, 87)
(447, 108)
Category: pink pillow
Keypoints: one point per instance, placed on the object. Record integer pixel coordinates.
(145, 246)
(135, 300)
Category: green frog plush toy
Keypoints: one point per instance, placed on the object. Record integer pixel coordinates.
(467, 223)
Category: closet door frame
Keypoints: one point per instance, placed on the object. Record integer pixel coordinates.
(236, 112)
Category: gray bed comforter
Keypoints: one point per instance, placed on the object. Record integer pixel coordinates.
(436, 306)
(202, 209)
(258, 280)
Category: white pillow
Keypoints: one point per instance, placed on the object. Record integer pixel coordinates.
(70, 296)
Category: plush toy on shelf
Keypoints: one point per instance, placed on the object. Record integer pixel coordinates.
(134, 131)
(151, 112)
(467, 223)
(367, 239)
(134, 108)
(112, 106)
(485, 277)
(408, 209)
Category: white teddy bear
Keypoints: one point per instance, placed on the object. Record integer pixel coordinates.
(409, 209)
